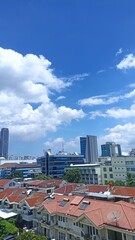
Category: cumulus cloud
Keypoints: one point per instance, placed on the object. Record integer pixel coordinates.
(122, 134)
(117, 113)
(105, 99)
(59, 144)
(25, 105)
(127, 62)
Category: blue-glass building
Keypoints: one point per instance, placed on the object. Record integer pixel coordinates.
(54, 165)
(111, 149)
(89, 148)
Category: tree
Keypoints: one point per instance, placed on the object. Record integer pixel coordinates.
(30, 236)
(6, 228)
(42, 176)
(16, 174)
(72, 176)
(119, 183)
(130, 180)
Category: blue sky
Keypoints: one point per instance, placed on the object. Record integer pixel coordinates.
(67, 70)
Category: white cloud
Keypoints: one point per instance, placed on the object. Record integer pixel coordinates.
(117, 113)
(119, 52)
(101, 71)
(58, 144)
(25, 106)
(122, 134)
(105, 99)
(60, 98)
(127, 62)
(76, 77)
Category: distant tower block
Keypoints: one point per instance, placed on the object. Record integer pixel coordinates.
(4, 142)
(89, 149)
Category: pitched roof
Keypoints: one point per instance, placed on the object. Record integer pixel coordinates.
(118, 214)
(36, 199)
(3, 182)
(124, 191)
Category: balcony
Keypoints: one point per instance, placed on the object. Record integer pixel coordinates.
(47, 224)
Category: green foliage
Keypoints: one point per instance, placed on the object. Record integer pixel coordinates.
(16, 174)
(115, 183)
(130, 180)
(6, 228)
(30, 236)
(72, 176)
(119, 183)
(42, 177)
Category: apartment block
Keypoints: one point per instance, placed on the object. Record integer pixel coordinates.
(90, 173)
(121, 166)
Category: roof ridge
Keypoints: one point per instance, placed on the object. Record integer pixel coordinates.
(126, 216)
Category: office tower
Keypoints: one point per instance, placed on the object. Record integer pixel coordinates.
(83, 146)
(4, 142)
(55, 164)
(111, 149)
(89, 148)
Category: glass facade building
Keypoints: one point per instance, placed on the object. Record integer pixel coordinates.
(111, 149)
(89, 148)
(54, 165)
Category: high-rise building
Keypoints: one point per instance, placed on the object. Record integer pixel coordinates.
(4, 142)
(111, 149)
(89, 149)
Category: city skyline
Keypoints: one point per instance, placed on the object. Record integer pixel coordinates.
(67, 70)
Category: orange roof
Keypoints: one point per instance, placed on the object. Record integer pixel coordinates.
(124, 191)
(118, 214)
(36, 199)
(68, 188)
(3, 182)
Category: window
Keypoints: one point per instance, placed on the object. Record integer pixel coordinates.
(105, 175)
(104, 169)
(111, 175)
(124, 236)
(110, 169)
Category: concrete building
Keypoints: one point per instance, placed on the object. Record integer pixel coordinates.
(111, 149)
(90, 173)
(27, 170)
(78, 217)
(132, 152)
(89, 149)
(4, 141)
(121, 166)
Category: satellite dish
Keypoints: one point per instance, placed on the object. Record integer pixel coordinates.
(114, 216)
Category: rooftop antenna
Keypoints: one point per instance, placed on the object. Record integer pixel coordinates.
(114, 216)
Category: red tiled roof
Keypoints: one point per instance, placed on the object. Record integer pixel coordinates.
(36, 199)
(8, 165)
(3, 182)
(118, 214)
(124, 191)
(68, 188)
